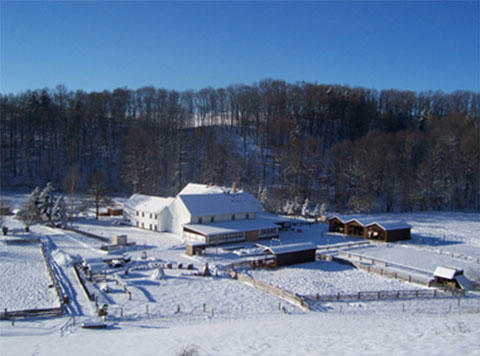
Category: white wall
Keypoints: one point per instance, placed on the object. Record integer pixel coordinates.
(178, 216)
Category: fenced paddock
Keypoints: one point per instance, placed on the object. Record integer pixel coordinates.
(29, 287)
(278, 292)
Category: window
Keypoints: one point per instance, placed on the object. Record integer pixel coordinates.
(143, 214)
(143, 226)
(247, 216)
(212, 219)
(150, 215)
(150, 226)
(233, 217)
(199, 220)
(156, 228)
(155, 216)
(136, 223)
(137, 212)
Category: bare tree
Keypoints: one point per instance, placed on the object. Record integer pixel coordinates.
(98, 191)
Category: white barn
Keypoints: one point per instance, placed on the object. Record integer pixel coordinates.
(204, 213)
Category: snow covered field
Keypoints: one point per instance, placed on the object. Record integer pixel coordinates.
(327, 278)
(167, 315)
(24, 278)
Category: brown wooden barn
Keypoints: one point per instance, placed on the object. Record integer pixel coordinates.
(355, 228)
(336, 224)
(387, 231)
(285, 255)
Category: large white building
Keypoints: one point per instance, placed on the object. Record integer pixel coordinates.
(204, 213)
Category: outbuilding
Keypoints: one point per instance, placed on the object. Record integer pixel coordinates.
(336, 224)
(388, 231)
(285, 255)
(449, 277)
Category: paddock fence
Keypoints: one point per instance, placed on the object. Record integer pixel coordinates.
(385, 295)
(278, 292)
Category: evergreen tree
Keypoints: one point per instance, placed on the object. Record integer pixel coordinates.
(46, 202)
(30, 212)
(59, 212)
(306, 208)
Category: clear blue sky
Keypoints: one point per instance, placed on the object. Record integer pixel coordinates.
(181, 45)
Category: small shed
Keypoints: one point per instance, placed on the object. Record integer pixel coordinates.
(388, 231)
(336, 224)
(195, 248)
(120, 240)
(447, 276)
(285, 255)
(355, 228)
(115, 211)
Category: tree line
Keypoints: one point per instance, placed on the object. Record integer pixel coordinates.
(353, 149)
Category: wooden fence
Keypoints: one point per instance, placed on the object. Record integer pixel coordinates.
(278, 292)
(338, 246)
(50, 273)
(48, 312)
(90, 295)
(385, 295)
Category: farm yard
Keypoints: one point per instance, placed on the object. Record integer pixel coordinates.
(161, 297)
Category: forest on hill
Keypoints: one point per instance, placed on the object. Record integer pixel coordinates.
(353, 149)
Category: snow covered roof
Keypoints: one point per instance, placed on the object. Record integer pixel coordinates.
(227, 227)
(147, 203)
(219, 204)
(280, 249)
(446, 272)
(391, 225)
(348, 219)
(387, 225)
(195, 188)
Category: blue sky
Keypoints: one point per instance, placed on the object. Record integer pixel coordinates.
(181, 45)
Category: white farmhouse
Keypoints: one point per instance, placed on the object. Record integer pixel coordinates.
(204, 213)
(145, 211)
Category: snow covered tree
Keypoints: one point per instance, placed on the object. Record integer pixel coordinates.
(46, 202)
(306, 208)
(290, 208)
(30, 212)
(59, 212)
(323, 210)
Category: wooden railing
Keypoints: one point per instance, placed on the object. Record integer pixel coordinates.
(385, 295)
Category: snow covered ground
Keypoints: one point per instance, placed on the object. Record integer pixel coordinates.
(24, 278)
(164, 316)
(327, 278)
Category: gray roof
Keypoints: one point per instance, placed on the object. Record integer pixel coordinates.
(228, 227)
(281, 249)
